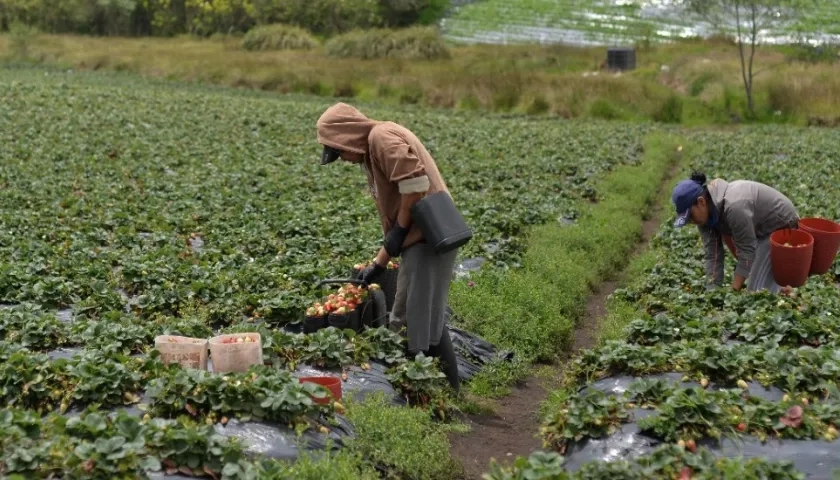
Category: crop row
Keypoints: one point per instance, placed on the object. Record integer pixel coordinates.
(36, 329)
(706, 366)
(98, 445)
(109, 376)
(666, 462)
(697, 366)
(121, 194)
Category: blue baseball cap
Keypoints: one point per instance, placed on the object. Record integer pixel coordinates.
(684, 196)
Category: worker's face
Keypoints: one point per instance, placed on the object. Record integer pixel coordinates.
(352, 157)
(700, 212)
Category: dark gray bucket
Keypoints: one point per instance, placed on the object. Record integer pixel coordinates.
(441, 223)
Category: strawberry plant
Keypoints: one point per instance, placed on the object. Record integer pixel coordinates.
(647, 392)
(386, 346)
(27, 379)
(420, 381)
(196, 450)
(806, 369)
(687, 415)
(115, 456)
(691, 414)
(111, 334)
(184, 327)
(663, 328)
(30, 326)
(666, 462)
(260, 393)
(593, 414)
(284, 349)
(117, 445)
(328, 348)
(103, 378)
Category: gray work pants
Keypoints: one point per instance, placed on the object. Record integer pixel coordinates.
(420, 305)
(761, 274)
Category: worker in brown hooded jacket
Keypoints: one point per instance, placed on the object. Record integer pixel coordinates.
(400, 171)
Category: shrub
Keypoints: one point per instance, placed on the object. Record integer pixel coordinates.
(327, 17)
(538, 105)
(824, 53)
(417, 43)
(671, 110)
(22, 37)
(699, 83)
(403, 13)
(781, 97)
(198, 17)
(602, 108)
(278, 37)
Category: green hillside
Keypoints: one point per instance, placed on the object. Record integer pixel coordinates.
(583, 22)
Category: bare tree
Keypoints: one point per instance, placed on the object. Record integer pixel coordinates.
(752, 18)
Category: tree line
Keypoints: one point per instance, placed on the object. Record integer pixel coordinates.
(208, 17)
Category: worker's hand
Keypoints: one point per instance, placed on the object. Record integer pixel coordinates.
(394, 240)
(738, 282)
(371, 273)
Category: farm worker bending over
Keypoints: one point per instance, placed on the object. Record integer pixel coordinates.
(742, 211)
(400, 172)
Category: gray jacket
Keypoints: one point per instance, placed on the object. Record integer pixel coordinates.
(747, 211)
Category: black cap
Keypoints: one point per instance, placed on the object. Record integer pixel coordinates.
(329, 155)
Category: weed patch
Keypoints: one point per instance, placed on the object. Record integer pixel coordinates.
(406, 442)
(533, 309)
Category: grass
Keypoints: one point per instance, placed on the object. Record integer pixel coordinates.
(405, 442)
(494, 380)
(525, 79)
(390, 442)
(278, 37)
(620, 313)
(417, 43)
(534, 310)
(332, 465)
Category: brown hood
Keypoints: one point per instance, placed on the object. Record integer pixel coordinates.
(345, 128)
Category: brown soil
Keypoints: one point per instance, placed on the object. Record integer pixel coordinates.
(513, 430)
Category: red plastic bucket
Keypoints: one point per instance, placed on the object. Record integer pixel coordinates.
(826, 242)
(790, 256)
(333, 384)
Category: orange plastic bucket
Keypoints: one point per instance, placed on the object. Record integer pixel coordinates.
(791, 252)
(333, 384)
(826, 242)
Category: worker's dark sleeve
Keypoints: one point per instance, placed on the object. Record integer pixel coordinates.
(713, 246)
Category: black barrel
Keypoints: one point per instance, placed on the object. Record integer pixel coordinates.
(621, 58)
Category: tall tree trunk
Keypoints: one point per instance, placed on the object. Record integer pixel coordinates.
(753, 42)
(747, 82)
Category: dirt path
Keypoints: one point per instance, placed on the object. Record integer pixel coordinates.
(514, 428)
